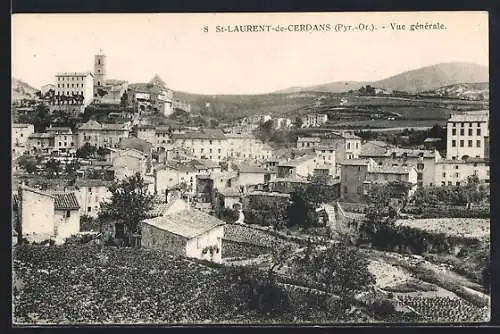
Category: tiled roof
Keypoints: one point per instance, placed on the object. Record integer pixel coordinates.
(389, 170)
(21, 125)
(157, 210)
(187, 223)
(204, 134)
(137, 144)
(267, 193)
(60, 130)
(297, 161)
(41, 135)
(356, 162)
(209, 163)
(145, 126)
(431, 140)
(476, 116)
(66, 201)
(94, 125)
(463, 162)
(251, 169)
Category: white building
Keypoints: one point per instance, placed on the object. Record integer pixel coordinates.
(90, 194)
(76, 84)
(455, 172)
(468, 135)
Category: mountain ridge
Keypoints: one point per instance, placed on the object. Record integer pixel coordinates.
(421, 79)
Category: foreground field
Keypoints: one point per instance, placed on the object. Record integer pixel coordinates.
(82, 285)
(460, 227)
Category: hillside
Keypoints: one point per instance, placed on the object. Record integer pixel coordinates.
(22, 90)
(421, 79)
(472, 91)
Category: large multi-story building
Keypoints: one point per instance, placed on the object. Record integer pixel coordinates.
(102, 135)
(75, 84)
(468, 135)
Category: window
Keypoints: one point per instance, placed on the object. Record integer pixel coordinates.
(478, 124)
(67, 214)
(420, 176)
(454, 124)
(470, 132)
(478, 132)
(470, 143)
(89, 209)
(357, 145)
(210, 142)
(443, 183)
(457, 175)
(462, 132)
(420, 166)
(462, 125)
(478, 143)
(456, 167)
(450, 183)
(90, 190)
(444, 175)
(219, 150)
(453, 132)
(453, 143)
(461, 143)
(348, 146)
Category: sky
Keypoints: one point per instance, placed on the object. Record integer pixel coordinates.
(176, 47)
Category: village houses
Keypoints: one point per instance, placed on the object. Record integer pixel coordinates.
(424, 161)
(20, 134)
(358, 175)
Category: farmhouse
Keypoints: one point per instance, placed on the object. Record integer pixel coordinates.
(187, 232)
(44, 216)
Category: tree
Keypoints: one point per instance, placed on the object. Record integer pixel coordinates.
(53, 168)
(86, 151)
(299, 122)
(130, 201)
(378, 202)
(124, 100)
(341, 269)
(28, 163)
(101, 152)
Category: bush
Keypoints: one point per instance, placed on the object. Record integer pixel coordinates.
(382, 307)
